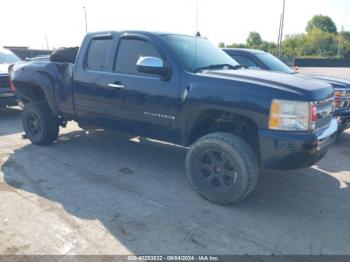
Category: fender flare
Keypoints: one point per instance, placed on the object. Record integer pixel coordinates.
(46, 80)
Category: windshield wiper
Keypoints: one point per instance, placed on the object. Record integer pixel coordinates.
(218, 66)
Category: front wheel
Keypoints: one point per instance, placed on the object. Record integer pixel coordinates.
(40, 125)
(222, 168)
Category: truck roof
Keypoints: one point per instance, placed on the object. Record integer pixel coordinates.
(244, 50)
(142, 32)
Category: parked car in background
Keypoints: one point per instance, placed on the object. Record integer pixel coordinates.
(154, 85)
(7, 95)
(256, 59)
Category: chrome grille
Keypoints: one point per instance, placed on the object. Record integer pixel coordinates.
(325, 111)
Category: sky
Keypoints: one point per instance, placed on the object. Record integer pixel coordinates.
(26, 22)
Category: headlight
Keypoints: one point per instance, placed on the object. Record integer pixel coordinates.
(292, 115)
(342, 98)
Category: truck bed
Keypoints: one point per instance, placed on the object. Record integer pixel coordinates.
(57, 79)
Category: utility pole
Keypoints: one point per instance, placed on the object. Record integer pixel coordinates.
(198, 34)
(279, 44)
(340, 41)
(197, 15)
(279, 37)
(47, 42)
(86, 23)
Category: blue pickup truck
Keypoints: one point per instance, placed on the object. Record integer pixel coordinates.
(183, 90)
(7, 95)
(256, 59)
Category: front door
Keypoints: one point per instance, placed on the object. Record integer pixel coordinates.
(143, 102)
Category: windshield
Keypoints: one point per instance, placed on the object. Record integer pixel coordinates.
(274, 64)
(196, 53)
(7, 57)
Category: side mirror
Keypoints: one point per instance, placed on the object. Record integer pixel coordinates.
(152, 65)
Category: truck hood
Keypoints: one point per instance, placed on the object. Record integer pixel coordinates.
(334, 81)
(4, 68)
(302, 85)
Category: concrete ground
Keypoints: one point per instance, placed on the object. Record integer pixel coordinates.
(101, 193)
(342, 72)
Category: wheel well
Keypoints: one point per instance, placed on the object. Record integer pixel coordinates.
(219, 121)
(28, 92)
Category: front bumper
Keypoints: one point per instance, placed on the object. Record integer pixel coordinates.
(283, 150)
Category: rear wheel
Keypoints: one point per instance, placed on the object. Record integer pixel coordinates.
(40, 125)
(222, 168)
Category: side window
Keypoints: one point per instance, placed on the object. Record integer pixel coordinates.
(245, 61)
(129, 51)
(97, 56)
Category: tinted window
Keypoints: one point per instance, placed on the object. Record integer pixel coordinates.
(196, 52)
(97, 57)
(274, 64)
(129, 52)
(245, 61)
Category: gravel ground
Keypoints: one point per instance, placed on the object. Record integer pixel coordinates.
(100, 193)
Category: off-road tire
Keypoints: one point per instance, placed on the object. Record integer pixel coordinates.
(45, 130)
(241, 167)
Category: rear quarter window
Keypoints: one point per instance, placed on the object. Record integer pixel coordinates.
(98, 53)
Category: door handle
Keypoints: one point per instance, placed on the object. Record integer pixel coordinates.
(116, 86)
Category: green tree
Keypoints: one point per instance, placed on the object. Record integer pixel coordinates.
(294, 46)
(346, 50)
(346, 36)
(345, 47)
(321, 44)
(236, 46)
(222, 45)
(324, 23)
(254, 40)
(268, 47)
(321, 40)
